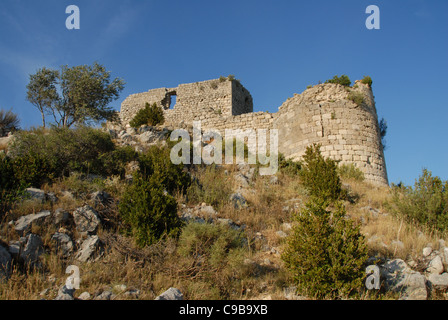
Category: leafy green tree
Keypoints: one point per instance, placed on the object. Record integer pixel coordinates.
(42, 91)
(75, 95)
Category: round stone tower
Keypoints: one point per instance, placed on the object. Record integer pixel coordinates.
(343, 120)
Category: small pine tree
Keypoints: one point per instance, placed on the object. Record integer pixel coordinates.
(150, 114)
(326, 252)
(149, 211)
(320, 175)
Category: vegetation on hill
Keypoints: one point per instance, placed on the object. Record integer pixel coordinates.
(426, 203)
(326, 252)
(9, 122)
(150, 115)
(343, 80)
(305, 233)
(74, 95)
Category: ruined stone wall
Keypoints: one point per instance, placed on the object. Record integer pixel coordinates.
(204, 100)
(323, 114)
(347, 132)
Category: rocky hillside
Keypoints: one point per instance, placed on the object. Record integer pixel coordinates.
(76, 222)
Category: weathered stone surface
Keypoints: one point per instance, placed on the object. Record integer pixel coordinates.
(5, 263)
(100, 197)
(438, 281)
(86, 219)
(435, 265)
(427, 251)
(398, 277)
(323, 114)
(238, 200)
(65, 293)
(24, 223)
(444, 255)
(32, 250)
(171, 294)
(91, 249)
(64, 244)
(35, 194)
(60, 216)
(241, 180)
(208, 211)
(84, 296)
(147, 137)
(105, 295)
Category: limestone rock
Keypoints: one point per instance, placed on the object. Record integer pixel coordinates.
(241, 180)
(24, 223)
(86, 219)
(65, 293)
(238, 200)
(91, 249)
(35, 194)
(84, 296)
(208, 211)
(398, 277)
(60, 216)
(5, 263)
(438, 281)
(105, 295)
(100, 197)
(147, 137)
(171, 294)
(64, 244)
(427, 251)
(32, 250)
(435, 265)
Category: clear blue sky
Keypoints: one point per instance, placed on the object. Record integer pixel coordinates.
(276, 49)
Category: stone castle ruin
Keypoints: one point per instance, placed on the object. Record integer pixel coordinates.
(325, 114)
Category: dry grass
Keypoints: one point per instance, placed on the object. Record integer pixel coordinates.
(154, 269)
(389, 229)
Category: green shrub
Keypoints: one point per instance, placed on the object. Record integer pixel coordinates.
(325, 252)
(157, 162)
(151, 115)
(343, 80)
(149, 212)
(211, 187)
(367, 80)
(320, 176)
(114, 162)
(214, 246)
(356, 97)
(350, 171)
(288, 166)
(426, 203)
(11, 188)
(40, 156)
(9, 122)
